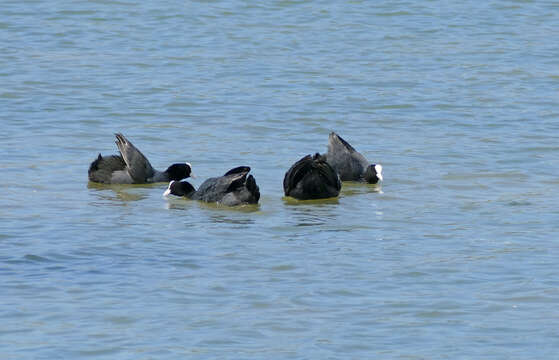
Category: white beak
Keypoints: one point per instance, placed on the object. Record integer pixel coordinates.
(168, 191)
(378, 169)
(191, 174)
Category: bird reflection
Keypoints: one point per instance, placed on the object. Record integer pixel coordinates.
(179, 204)
(118, 194)
(217, 213)
(351, 188)
(230, 214)
(311, 212)
(230, 219)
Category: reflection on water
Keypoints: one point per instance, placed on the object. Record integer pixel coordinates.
(229, 218)
(250, 208)
(177, 203)
(471, 200)
(292, 201)
(351, 188)
(311, 212)
(216, 213)
(118, 193)
(117, 187)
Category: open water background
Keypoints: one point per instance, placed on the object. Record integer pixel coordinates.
(453, 257)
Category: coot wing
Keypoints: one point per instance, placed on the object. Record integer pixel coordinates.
(238, 170)
(214, 189)
(347, 161)
(337, 144)
(137, 164)
(296, 173)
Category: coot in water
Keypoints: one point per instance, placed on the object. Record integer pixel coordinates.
(349, 163)
(236, 187)
(311, 178)
(132, 167)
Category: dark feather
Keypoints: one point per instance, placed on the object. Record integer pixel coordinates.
(311, 178)
(348, 162)
(238, 170)
(138, 165)
(102, 168)
(132, 167)
(234, 188)
(296, 173)
(343, 142)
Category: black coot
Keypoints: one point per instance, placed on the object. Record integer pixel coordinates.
(132, 167)
(349, 163)
(311, 178)
(236, 187)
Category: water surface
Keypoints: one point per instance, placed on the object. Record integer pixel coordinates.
(453, 257)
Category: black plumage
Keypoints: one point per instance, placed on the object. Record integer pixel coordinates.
(235, 187)
(311, 178)
(349, 163)
(132, 167)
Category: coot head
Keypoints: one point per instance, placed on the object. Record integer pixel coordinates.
(179, 171)
(179, 188)
(373, 173)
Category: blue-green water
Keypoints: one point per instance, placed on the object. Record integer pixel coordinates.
(453, 257)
